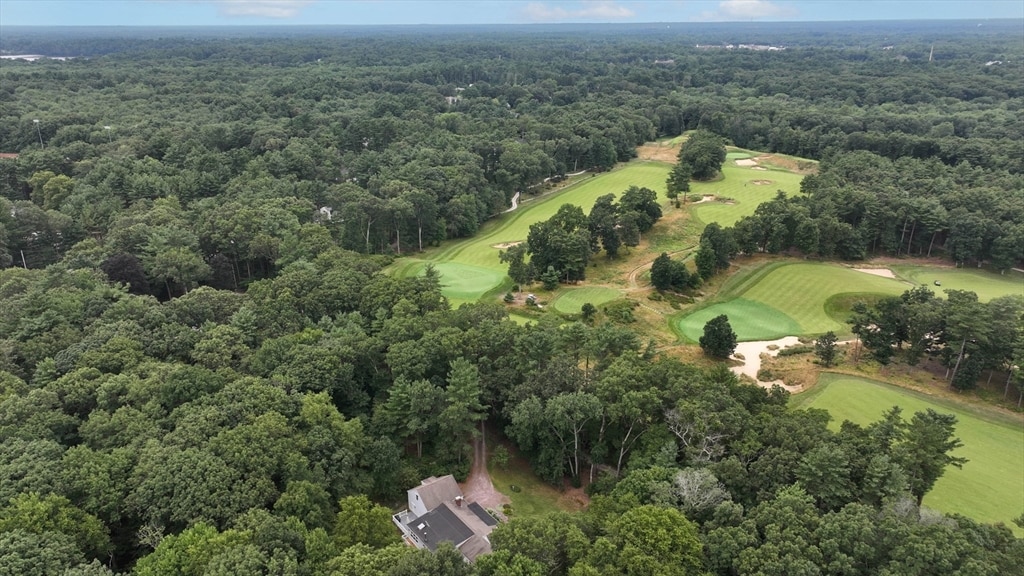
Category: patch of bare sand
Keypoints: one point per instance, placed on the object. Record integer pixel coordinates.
(758, 168)
(760, 182)
(746, 162)
(506, 245)
(751, 353)
(883, 272)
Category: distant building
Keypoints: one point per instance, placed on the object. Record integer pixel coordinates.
(438, 513)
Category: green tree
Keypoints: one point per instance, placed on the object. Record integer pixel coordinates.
(655, 540)
(825, 348)
(360, 521)
(706, 260)
(704, 153)
(924, 451)
(718, 340)
(51, 513)
(678, 182)
(463, 406)
(520, 271)
(661, 272)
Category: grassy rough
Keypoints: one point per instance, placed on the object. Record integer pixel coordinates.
(988, 488)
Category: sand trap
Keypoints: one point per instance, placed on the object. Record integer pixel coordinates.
(883, 272)
(758, 168)
(748, 162)
(506, 245)
(761, 182)
(752, 351)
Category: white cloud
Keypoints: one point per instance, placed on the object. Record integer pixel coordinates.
(584, 10)
(255, 8)
(263, 8)
(748, 10)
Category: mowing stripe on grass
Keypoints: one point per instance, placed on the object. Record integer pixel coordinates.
(801, 290)
(990, 487)
(792, 299)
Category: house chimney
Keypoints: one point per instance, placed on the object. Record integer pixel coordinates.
(458, 501)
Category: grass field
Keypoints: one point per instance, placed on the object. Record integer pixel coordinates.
(535, 497)
(470, 268)
(570, 301)
(738, 184)
(990, 487)
(987, 285)
(787, 299)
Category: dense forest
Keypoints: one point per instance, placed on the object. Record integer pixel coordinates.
(204, 368)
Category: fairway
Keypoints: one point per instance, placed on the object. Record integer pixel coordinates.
(746, 186)
(987, 285)
(787, 299)
(470, 267)
(571, 300)
(990, 487)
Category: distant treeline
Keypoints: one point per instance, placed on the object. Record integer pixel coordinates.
(407, 139)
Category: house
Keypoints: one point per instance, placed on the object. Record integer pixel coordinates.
(439, 513)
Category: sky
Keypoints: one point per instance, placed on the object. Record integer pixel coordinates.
(384, 12)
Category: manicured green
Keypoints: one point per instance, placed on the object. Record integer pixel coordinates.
(987, 285)
(571, 300)
(990, 487)
(789, 299)
(737, 184)
(749, 319)
(462, 282)
(467, 261)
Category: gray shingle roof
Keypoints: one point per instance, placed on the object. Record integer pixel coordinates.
(440, 525)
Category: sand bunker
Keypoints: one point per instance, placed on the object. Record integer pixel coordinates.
(751, 352)
(506, 245)
(748, 162)
(761, 182)
(758, 168)
(883, 272)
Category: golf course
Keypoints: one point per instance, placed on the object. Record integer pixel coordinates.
(765, 298)
(744, 184)
(987, 488)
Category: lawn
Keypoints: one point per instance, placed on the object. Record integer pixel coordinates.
(534, 497)
(571, 300)
(470, 267)
(987, 285)
(788, 299)
(990, 487)
(746, 187)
